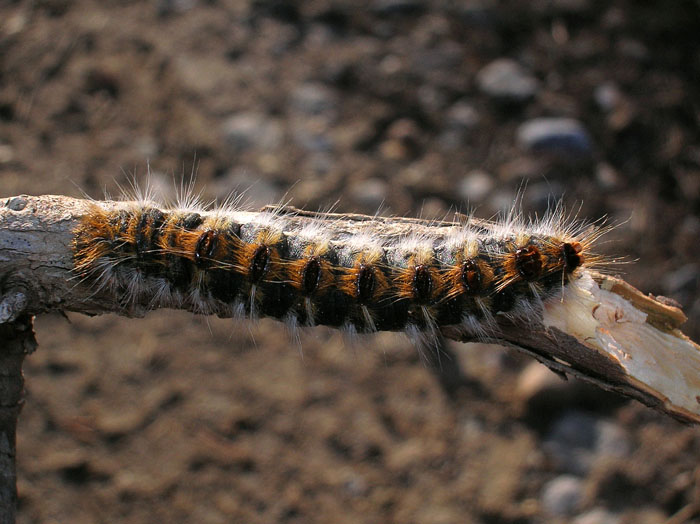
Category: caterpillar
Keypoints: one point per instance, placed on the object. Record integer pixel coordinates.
(358, 273)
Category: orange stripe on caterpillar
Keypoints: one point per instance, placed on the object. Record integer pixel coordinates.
(310, 275)
(420, 281)
(365, 281)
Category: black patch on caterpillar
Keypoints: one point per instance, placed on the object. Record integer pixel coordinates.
(504, 301)
(206, 246)
(471, 278)
(260, 264)
(178, 269)
(528, 262)
(332, 308)
(571, 256)
(422, 284)
(311, 276)
(365, 283)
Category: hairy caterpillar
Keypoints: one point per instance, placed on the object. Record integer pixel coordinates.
(354, 272)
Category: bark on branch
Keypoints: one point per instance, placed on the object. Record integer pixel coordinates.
(603, 331)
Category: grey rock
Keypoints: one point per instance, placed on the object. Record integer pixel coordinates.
(397, 7)
(256, 191)
(607, 96)
(682, 279)
(597, 516)
(536, 379)
(562, 496)
(250, 130)
(507, 80)
(314, 99)
(475, 187)
(311, 137)
(571, 6)
(633, 49)
(543, 195)
(501, 200)
(571, 442)
(445, 57)
(431, 99)
(575, 429)
(611, 440)
(7, 153)
(370, 193)
(563, 137)
(175, 7)
(460, 120)
(577, 439)
(462, 116)
(478, 13)
(607, 176)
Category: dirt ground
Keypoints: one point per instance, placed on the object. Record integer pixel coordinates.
(417, 107)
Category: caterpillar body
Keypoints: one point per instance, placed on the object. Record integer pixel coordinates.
(355, 272)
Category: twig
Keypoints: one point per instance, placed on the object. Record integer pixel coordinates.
(16, 341)
(603, 330)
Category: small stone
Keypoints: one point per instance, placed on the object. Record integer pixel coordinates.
(7, 153)
(501, 200)
(62, 460)
(477, 13)
(577, 439)
(356, 486)
(571, 6)
(597, 516)
(520, 167)
(146, 146)
(561, 496)
(571, 441)
(633, 49)
(575, 430)
(314, 99)
(460, 119)
(444, 57)
(309, 191)
(563, 137)
(370, 193)
(175, 7)
(431, 99)
(403, 129)
(311, 134)
(607, 176)
(607, 96)
(257, 191)
(536, 379)
(433, 209)
(507, 80)
(611, 440)
(403, 140)
(17, 203)
(542, 195)
(682, 279)
(462, 116)
(476, 186)
(397, 7)
(245, 131)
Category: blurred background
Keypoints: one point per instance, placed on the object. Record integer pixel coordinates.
(419, 108)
